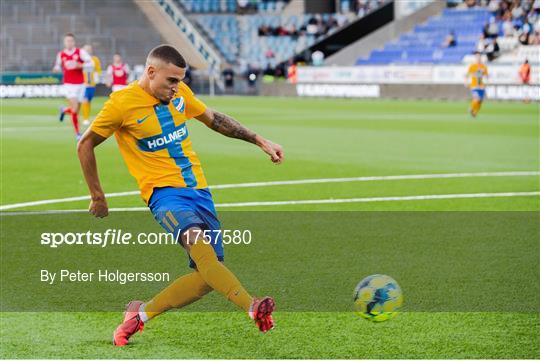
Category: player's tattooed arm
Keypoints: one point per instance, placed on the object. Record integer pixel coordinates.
(228, 126)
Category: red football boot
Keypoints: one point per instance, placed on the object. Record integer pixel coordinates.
(261, 311)
(132, 323)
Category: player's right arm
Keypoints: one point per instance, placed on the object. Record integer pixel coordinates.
(87, 157)
(106, 123)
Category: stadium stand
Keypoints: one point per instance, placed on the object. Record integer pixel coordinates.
(490, 27)
(424, 43)
(237, 35)
(32, 31)
(520, 54)
(233, 6)
(238, 38)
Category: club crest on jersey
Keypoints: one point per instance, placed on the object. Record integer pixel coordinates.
(179, 104)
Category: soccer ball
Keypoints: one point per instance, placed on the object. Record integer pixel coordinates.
(377, 298)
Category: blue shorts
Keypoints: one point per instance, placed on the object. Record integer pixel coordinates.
(478, 93)
(89, 93)
(179, 209)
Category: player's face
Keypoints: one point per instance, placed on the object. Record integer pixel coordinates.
(117, 59)
(69, 42)
(165, 80)
(88, 49)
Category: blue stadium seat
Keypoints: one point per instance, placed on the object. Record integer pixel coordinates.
(423, 44)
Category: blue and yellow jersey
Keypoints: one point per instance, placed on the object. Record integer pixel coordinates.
(91, 77)
(153, 137)
(477, 73)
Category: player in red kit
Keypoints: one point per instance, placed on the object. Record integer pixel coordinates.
(71, 61)
(118, 73)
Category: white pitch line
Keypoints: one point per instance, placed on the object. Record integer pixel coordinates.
(294, 182)
(381, 199)
(305, 201)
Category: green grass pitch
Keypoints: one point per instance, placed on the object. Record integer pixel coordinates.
(470, 292)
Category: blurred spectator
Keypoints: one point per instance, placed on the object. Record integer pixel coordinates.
(246, 6)
(491, 29)
(228, 77)
(450, 41)
(317, 58)
(269, 54)
(292, 72)
(362, 7)
(251, 76)
(519, 18)
(517, 11)
(494, 7)
(470, 3)
(481, 45)
(315, 26)
(242, 5)
(492, 49)
(524, 33)
(312, 27)
(264, 30)
(503, 9)
(508, 28)
(269, 70)
(534, 39)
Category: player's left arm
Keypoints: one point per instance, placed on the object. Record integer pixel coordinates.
(228, 126)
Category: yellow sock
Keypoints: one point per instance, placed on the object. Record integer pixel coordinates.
(475, 106)
(183, 291)
(85, 107)
(219, 277)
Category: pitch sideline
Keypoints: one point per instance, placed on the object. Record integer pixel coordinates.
(294, 182)
(304, 201)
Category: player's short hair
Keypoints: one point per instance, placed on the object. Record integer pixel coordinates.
(70, 35)
(168, 54)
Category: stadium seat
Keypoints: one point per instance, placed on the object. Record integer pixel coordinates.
(423, 44)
